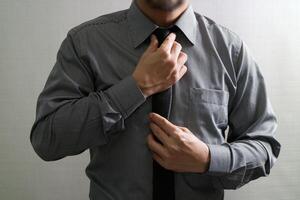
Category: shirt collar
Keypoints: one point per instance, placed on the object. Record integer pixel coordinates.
(141, 26)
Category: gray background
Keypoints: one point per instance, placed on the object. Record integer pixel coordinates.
(30, 34)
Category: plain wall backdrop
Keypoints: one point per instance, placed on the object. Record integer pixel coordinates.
(30, 35)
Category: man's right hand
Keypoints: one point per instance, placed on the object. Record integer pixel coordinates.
(160, 67)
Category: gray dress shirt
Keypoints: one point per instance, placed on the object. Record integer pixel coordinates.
(91, 101)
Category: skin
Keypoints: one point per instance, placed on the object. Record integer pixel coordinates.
(178, 149)
(163, 12)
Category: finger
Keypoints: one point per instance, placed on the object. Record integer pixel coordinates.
(153, 44)
(182, 71)
(186, 130)
(159, 133)
(158, 159)
(163, 123)
(156, 147)
(182, 58)
(168, 42)
(176, 49)
(177, 75)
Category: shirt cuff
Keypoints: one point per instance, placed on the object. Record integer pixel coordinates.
(126, 95)
(219, 159)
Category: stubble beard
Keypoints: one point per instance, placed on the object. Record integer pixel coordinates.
(165, 5)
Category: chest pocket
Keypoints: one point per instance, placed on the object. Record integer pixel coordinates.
(207, 107)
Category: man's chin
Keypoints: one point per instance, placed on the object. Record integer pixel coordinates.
(165, 5)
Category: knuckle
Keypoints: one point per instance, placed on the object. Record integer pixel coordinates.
(170, 62)
(178, 45)
(183, 55)
(185, 58)
(179, 138)
(174, 76)
(185, 129)
(164, 54)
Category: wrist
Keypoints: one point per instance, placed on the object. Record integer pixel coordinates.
(204, 159)
(144, 90)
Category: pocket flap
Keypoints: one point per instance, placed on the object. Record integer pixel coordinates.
(213, 96)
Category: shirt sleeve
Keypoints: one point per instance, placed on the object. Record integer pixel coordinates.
(71, 115)
(251, 148)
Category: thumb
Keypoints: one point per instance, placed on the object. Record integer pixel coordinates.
(153, 44)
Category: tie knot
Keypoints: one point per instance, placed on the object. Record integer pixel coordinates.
(162, 33)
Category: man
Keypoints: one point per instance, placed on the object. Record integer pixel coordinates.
(99, 95)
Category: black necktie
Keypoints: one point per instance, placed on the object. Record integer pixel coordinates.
(163, 179)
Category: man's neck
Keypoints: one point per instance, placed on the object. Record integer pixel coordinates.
(160, 17)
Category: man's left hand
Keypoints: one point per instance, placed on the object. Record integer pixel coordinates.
(179, 149)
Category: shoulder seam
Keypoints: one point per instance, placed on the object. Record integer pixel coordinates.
(103, 19)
